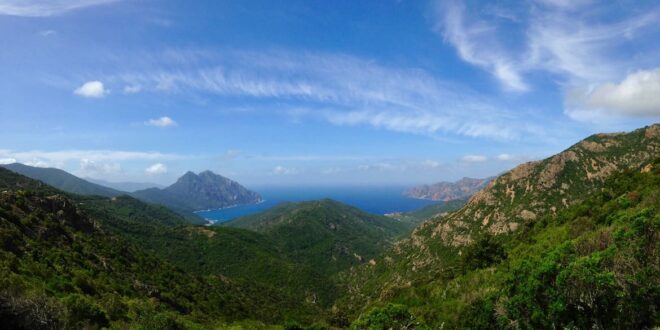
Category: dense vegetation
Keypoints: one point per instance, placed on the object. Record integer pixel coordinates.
(60, 268)
(568, 242)
(594, 265)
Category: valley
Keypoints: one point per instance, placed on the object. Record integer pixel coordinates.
(523, 250)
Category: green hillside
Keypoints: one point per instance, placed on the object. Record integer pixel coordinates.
(530, 211)
(593, 265)
(328, 235)
(568, 242)
(60, 268)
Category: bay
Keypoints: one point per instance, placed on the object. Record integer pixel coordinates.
(377, 200)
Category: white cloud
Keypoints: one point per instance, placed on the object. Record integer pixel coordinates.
(7, 160)
(48, 33)
(380, 166)
(638, 95)
(91, 168)
(38, 163)
(40, 8)
(132, 89)
(474, 158)
(60, 157)
(431, 163)
(230, 154)
(565, 4)
(161, 122)
(577, 42)
(505, 157)
(281, 170)
(476, 43)
(91, 89)
(331, 170)
(156, 169)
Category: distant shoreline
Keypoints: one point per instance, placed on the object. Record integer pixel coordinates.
(229, 207)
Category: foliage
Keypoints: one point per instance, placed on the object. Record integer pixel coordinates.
(392, 316)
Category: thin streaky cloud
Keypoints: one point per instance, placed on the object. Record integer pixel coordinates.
(42, 8)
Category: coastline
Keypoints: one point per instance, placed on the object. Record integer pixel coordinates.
(229, 207)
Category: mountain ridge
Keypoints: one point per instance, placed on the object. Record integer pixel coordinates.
(447, 191)
(63, 180)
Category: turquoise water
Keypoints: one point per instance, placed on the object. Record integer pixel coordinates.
(378, 200)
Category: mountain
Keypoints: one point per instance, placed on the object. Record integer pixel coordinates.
(568, 241)
(446, 191)
(420, 215)
(63, 180)
(125, 186)
(62, 268)
(193, 192)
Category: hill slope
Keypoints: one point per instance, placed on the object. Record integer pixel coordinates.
(328, 235)
(593, 265)
(63, 180)
(59, 268)
(193, 192)
(499, 218)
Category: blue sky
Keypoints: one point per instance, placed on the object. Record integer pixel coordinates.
(318, 92)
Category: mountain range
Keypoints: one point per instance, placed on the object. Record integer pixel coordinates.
(570, 241)
(447, 191)
(125, 186)
(189, 193)
(63, 180)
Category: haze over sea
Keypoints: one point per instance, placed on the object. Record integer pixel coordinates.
(377, 200)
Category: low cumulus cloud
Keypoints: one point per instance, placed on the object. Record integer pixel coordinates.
(155, 169)
(161, 122)
(638, 95)
(281, 170)
(91, 89)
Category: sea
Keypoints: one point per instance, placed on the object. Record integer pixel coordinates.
(376, 200)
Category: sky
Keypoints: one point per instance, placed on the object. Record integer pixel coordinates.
(387, 92)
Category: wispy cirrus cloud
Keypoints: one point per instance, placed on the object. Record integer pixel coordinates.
(60, 157)
(340, 89)
(41, 8)
(576, 41)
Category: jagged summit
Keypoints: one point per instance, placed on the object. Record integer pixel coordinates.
(206, 190)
